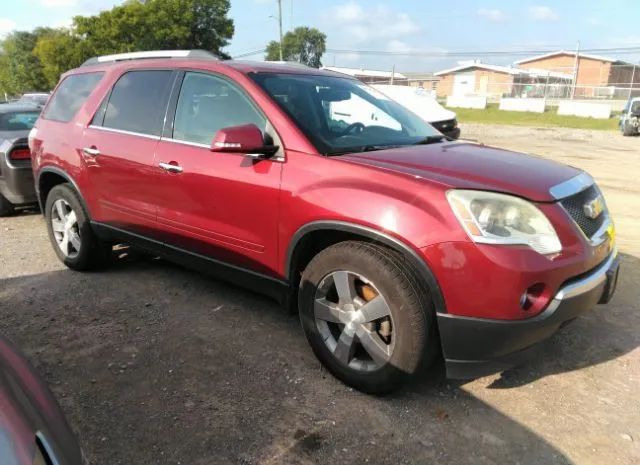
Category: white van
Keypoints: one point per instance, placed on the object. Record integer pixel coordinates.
(424, 105)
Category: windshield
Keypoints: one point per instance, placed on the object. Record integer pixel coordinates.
(18, 121)
(341, 115)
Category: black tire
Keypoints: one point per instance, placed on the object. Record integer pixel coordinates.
(92, 253)
(628, 130)
(411, 308)
(6, 207)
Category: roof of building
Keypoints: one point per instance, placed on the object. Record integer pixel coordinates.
(423, 75)
(364, 72)
(566, 52)
(533, 72)
(494, 68)
(541, 72)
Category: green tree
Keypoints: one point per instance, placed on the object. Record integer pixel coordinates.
(303, 44)
(34, 60)
(58, 51)
(21, 69)
(157, 25)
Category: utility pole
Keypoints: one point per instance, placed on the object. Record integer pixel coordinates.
(633, 78)
(575, 71)
(393, 73)
(280, 26)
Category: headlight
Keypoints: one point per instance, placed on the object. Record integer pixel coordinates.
(491, 218)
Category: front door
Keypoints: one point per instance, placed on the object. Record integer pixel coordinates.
(221, 205)
(119, 148)
(464, 84)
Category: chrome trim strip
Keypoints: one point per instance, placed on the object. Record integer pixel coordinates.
(208, 147)
(586, 284)
(149, 54)
(572, 186)
(122, 131)
(185, 142)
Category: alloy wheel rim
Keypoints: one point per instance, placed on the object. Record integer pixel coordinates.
(354, 320)
(64, 224)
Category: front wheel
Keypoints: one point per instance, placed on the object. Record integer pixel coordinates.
(365, 315)
(628, 129)
(70, 231)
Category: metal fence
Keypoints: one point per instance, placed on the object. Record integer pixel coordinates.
(497, 90)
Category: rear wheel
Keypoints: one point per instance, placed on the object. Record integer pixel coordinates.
(365, 316)
(70, 231)
(6, 207)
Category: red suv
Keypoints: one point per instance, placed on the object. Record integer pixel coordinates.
(394, 243)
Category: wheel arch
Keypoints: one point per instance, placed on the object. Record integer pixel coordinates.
(313, 237)
(48, 178)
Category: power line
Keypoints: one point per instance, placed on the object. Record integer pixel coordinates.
(463, 54)
(251, 53)
(477, 53)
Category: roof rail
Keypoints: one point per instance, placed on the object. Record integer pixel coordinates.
(196, 54)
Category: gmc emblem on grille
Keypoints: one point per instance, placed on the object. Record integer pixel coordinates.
(593, 208)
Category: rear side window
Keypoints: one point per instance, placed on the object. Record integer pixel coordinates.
(70, 95)
(138, 102)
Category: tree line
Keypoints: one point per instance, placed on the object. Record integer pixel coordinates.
(34, 60)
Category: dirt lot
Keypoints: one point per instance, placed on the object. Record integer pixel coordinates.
(157, 365)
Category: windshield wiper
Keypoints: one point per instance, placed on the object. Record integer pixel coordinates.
(362, 148)
(432, 139)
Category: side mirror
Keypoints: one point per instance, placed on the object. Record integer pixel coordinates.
(246, 139)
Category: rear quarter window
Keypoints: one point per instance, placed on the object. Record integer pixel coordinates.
(72, 92)
(138, 102)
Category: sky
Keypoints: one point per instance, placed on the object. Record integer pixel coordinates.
(404, 26)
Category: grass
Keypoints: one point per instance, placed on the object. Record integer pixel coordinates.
(550, 118)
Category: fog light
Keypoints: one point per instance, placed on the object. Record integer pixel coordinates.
(531, 296)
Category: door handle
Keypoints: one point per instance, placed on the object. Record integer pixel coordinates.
(170, 167)
(91, 151)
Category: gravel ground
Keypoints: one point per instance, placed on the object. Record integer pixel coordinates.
(154, 364)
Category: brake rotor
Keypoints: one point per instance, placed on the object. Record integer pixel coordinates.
(383, 327)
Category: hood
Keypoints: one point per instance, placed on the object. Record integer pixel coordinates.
(472, 166)
(417, 101)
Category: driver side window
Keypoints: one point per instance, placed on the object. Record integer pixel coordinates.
(207, 104)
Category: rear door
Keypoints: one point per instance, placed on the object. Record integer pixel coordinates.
(119, 146)
(221, 205)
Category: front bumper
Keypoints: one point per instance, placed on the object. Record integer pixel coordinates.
(474, 347)
(16, 182)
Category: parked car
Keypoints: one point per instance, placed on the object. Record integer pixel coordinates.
(33, 430)
(394, 244)
(425, 106)
(630, 117)
(16, 176)
(38, 99)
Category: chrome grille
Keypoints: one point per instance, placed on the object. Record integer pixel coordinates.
(574, 205)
